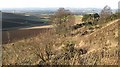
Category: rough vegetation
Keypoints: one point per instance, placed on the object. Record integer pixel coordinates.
(86, 44)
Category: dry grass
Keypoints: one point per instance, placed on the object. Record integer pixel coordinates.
(97, 48)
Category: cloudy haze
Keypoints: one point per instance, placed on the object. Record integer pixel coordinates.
(58, 3)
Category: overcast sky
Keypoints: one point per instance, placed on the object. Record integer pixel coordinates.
(58, 3)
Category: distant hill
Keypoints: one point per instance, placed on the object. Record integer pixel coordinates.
(17, 20)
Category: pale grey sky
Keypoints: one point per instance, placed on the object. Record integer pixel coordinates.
(58, 3)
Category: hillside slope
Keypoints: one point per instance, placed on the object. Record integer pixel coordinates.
(103, 43)
(97, 48)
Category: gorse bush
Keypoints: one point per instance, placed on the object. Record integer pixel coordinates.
(93, 18)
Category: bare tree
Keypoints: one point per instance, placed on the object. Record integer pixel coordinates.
(62, 20)
(105, 14)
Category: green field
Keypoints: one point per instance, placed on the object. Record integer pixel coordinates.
(10, 20)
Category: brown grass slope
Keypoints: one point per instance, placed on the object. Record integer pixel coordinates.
(103, 43)
(97, 48)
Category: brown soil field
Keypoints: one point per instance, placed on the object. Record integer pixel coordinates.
(15, 35)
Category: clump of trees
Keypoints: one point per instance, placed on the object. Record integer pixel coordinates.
(105, 16)
(63, 20)
(91, 18)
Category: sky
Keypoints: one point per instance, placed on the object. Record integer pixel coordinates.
(58, 3)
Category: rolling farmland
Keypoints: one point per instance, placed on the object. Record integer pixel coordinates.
(19, 26)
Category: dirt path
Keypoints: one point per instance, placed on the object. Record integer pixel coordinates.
(28, 27)
(37, 27)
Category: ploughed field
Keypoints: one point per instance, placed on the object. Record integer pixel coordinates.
(15, 35)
